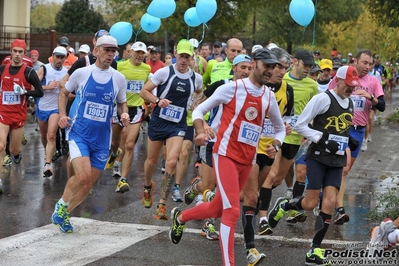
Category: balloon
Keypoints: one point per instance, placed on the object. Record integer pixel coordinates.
(206, 9)
(122, 32)
(302, 11)
(191, 18)
(150, 24)
(161, 8)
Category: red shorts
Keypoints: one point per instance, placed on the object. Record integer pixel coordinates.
(15, 121)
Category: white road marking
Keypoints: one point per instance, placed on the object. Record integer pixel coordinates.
(92, 240)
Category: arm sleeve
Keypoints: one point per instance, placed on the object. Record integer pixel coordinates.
(221, 96)
(319, 104)
(290, 104)
(211, 88)
(275, 117)
(32, 77)
(78, 64)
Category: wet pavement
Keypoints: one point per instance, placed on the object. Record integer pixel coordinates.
(28, 202)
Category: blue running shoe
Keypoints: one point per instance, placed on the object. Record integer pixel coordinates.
(59, 214)
(66, 226)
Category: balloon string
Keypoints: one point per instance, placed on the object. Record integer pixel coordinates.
(188, 32)
(314, 25)
(203, 32)
(303, 33)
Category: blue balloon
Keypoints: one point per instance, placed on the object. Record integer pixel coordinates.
(302, 11)
(191, 18)
(161, 8)
(122, 32)
(206, 9)
(150, 24)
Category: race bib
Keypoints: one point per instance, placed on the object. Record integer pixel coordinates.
(268, 129)
(294, 119)
(96, 111)
(134, 86)
(358, 102)
(11, 98)
(249, 133)
(342, 142)
(172, 113)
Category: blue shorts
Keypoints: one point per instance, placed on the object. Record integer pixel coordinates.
(189, 133)
(45, 115)
(357, 134)
(320, 175)
(79, 147)
(160, 131)
(301, 160)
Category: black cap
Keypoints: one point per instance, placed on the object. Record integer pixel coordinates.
(306, 57)
(154, 50)
(63, 41)
(317, 52)
(217, 44)
(267, 56)
(315, 68)
(336, 63)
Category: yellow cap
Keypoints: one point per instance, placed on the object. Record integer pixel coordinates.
(185, 47)
(326, 63)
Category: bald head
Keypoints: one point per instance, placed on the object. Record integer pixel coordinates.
(233, 48)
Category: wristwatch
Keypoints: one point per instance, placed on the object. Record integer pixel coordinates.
(276, 148)
(157, 101)
(372, 97)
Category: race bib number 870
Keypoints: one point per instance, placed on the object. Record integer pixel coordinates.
(96, 111)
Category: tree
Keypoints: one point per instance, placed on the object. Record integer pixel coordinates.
(386, 12)
(276, 24)
(78, 16)
(43, 15)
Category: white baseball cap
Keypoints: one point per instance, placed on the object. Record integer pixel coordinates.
(139, 46)
(84, 48)
(256, 47)
(107, 41)
(271, 46)
(60, 50)
(194, 42)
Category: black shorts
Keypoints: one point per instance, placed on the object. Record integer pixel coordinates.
(263, 160)
(189, 133)
(289, 150)
(206, 153)
(320, 175)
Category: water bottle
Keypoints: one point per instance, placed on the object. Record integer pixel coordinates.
(302, 149)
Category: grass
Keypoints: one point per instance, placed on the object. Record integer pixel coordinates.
(394, 117)
(388, 206)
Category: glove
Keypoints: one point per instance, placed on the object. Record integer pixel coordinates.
(329, 145)
(18, 89)
(353, 144)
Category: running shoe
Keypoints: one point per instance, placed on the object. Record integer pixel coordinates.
(208, 195)
(253, 257)
(208, 231)
(176, 230)
(316, 257)
(176, 196)
(47, 170)
(59, 214)
(65, 148)
(160, 212)
(379, 237)
(277, 212)
(7, 160)
(66, 226)
(24, 139)
(147, 196)
(364, 145)
(295, 216)
(122, 186)
(17, 160)
(116, 171)
(56, 155)
(198, 200)
(163, 166)
(341, 218)
(190, 193)
(264, 228)
(111, 159)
